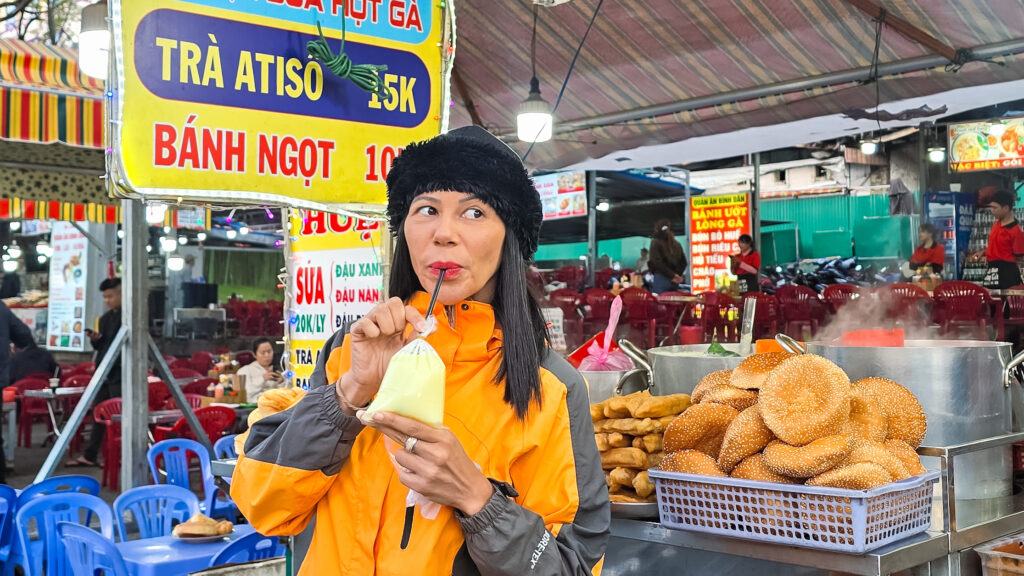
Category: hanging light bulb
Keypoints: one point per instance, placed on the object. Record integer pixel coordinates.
(44, 249)
(183, 240)
(603, 206)
(120, 234)
(201, 236)
(10, 265)
(936, 155)
(231, 234)
(175, 263)
(533, 120)
(243, 230)
(167, 229)
(869, 147)
(15, 226)
(149, 247)
(168, 244)
(94, 41)
(15, 252)
(155, 213)
(41, 259)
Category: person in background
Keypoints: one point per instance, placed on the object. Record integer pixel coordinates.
(260, 375)
(1005, 251)
(32, 359)
(110, 324)
(746, 265)
(929, 253)
(12, 331)
(641, 263)
(10, 286)
(667, 262)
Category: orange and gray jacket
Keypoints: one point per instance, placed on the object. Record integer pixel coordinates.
(549, 513)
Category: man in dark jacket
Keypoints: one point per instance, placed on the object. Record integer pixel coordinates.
(110, 323)
(11, 330)
(32, 360)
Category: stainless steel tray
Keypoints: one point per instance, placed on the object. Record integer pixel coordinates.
(635, 511)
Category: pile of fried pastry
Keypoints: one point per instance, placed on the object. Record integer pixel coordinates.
(628, 430)
(797, 419)
(200, 525)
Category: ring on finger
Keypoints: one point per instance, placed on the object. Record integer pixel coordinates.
(410, 444)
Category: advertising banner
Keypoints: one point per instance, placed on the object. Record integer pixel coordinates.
(69, 274)
(993, 145)
(218, 99)
(563, 194)
(335, 278)
(716, 223)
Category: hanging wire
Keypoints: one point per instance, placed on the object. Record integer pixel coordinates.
(572, 65)
(874, 65)
(533, 44)
(365, 76)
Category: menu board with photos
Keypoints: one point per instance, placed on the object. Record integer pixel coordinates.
(562, 194)
(66, 318)
(992, 145)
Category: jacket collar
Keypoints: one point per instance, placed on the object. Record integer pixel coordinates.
(466, 332)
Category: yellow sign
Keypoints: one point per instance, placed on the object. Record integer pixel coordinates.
(216, 100)
(335, 277)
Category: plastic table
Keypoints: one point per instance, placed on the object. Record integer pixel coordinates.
(169, 556)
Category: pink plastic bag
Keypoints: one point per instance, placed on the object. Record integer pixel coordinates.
(601, 358)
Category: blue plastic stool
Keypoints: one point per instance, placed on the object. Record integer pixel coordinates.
(88, 551)
(60, 485)
(176, 455)
(154, 508)
(8, 506)
(224, 448)
(255, 546)
(47, 511)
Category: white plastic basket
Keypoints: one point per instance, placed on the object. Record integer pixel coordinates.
(1006, 562)
(853, 521)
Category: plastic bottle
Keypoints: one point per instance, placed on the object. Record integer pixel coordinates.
(218, 391)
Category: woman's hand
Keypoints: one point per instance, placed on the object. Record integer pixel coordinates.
(677, 279)
(438, 467)
(374, 340)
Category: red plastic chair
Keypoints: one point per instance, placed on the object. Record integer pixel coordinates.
(766, 314)
(158, 395)
(838, 295)
(252, 326)
(800, 306)
(245, 357)
(572, 276)
(202, 361)
(111, 449)
(903, 302)
(194, 400)
(214, 420)
(716, 317)
(567, 301)
(182, 373)
(961, 303)
(602, 278)
(180, 364)
(199, 387)
(642, 311)
(32, 409)
(1015, 309)
(597, 307)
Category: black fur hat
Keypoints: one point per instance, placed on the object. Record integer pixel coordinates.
(473, 161)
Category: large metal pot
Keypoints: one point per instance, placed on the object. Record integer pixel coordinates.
(605, 384)
(963, 388)
(678, 369)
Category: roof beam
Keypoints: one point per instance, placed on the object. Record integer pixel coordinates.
(904, 28)
(467, 100)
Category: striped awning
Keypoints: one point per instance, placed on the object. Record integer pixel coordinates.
(641, 55)
(45, 98)
(18, 209)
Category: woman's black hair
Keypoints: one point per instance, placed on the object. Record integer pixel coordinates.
(524, 330)
(927, 227)
(259, 342)
(746, 239)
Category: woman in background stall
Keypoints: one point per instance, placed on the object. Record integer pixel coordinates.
(667, 262)
(929, 253)
(746, 265)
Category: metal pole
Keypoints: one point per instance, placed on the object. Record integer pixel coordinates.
(592, 227)
(164, 372)
(84, 405)
(688, 231)
(922, 155)
(134, 372)
(755, 203)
